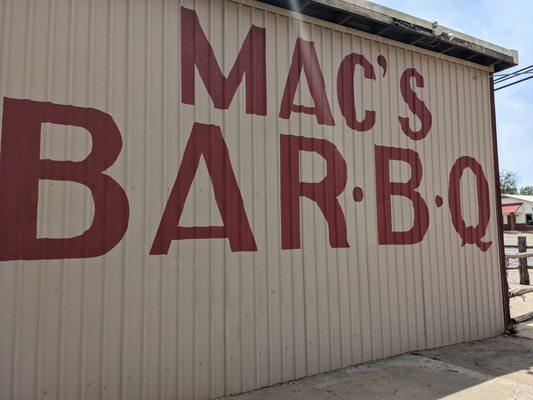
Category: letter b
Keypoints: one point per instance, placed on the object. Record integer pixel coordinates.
(385, 189)
(21, 168)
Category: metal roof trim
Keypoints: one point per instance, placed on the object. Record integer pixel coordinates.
(382, 21)
(511, 208)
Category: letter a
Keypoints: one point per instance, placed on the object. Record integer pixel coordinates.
(304, 57)
(207, 141)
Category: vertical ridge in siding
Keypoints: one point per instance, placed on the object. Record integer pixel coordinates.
(203, 321)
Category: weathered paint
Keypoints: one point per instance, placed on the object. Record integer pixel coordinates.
(246, 231)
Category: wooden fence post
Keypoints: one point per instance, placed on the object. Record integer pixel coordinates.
(522, 262)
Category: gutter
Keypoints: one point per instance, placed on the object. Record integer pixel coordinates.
(382, 21)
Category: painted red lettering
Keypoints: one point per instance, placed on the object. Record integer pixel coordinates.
(21, 169)
(251, 63)
(207, 141)
(469, 234)
(304, 57)
(417, 106)
(324, 193)
(345, 91)
(385, 189)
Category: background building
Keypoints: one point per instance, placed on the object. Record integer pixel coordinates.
(517, 211)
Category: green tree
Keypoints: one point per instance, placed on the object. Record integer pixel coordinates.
(527, 190)
(508, 182)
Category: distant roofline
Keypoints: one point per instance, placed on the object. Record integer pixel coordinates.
(519, 197)
(382, 21)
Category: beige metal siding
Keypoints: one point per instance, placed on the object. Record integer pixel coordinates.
(203, 321)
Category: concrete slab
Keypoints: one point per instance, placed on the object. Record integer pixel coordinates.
(503, 356)
(498, 368)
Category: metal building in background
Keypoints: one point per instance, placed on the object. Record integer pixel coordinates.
(200, 198)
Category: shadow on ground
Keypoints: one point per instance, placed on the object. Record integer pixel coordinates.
(496, 368)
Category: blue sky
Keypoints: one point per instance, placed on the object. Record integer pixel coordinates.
(508, 24)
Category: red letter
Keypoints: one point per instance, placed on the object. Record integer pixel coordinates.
(417, 106)
(21, 168)
(206, 140)
(324, 193)
(304, 57)
(469, 234)
(251, 61)
(345, 91)
(385, 189)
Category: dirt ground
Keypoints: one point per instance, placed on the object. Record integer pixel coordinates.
(521, 305)
(524, 304)
(511, 239)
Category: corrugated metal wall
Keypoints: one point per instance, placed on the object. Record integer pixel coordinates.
(203, 321)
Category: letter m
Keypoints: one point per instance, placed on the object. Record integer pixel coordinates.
(251, 63)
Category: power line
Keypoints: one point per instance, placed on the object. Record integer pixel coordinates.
(504, 77)
(498, 79)
(512, 76)
(513, 83)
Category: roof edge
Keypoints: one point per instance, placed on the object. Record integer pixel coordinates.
(383, 21)
(520, 197)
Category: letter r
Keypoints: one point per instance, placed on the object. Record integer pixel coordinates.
(323, 193)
